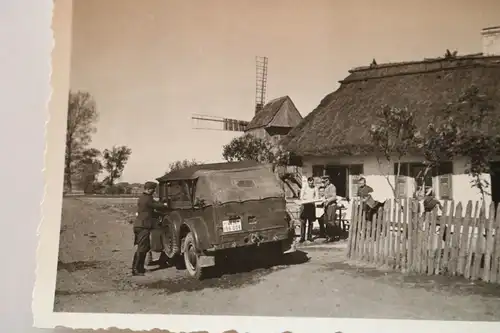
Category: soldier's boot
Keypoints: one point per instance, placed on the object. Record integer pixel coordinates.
(141, 260)
(309, 233)
(135, 265)
(302, 231)
(149, 258)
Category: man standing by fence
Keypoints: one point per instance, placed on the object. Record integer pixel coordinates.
(143, 224)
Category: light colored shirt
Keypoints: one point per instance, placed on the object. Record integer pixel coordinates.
(309, 193)
(331, 192)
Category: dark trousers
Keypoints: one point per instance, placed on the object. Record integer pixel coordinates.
(141, 239)
(321, 222)
(333, 228)
(307, 218)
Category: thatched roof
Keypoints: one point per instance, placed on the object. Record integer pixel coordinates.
(340, 124)
(279, 112)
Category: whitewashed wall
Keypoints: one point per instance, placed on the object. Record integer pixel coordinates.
(375, 172)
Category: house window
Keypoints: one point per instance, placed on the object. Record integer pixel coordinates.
(423, 179)
(318, 171)
(355, 171)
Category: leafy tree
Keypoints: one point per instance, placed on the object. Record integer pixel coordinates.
(469, 127)
(181, 164)
(395, 135)
(82, 116)
(115, 160)
(249, 147)
(89, 167)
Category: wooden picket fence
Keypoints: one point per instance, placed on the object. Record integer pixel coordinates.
(402, 238)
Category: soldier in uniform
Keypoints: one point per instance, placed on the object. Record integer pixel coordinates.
(143, 224)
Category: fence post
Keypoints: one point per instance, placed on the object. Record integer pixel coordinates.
(373, 225)
(431, 261)
(496, 254)
(355, 253)
(478, 253)
(405, 237)
(447, 238)
(398, 226)
(411, 236)
(464, 240)
(387, 232)
(439, 250)
(472, 243)
(351, 242)
(456, 222)
(489, 241)
(378, 235)
(361, 229)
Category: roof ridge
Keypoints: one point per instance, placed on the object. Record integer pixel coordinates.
(424, 61)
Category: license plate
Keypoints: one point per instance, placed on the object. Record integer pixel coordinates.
(231, 225)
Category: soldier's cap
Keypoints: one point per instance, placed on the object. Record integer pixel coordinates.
(150, 186)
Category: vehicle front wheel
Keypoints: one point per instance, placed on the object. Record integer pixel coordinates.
(192, 258)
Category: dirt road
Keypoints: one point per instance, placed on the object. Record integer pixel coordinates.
(93, 276)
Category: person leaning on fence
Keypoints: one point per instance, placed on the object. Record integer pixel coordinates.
(365, 194)
(144, 222)
(430, 203)
(308, 210)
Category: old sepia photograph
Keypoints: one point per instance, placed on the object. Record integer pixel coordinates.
(286, 158)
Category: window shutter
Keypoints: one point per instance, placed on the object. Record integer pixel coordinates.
(401, 187)
(445, 172)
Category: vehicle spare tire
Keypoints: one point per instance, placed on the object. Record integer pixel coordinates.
(169, 239)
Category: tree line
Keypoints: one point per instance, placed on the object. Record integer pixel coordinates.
(84, 164)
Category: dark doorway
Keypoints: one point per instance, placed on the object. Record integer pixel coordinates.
(495, 182)
(338, 175)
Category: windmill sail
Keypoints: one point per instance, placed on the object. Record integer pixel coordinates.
(261, 83)
(206, 122)
(218, 123)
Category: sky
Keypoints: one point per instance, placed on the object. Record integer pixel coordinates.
(151, 64)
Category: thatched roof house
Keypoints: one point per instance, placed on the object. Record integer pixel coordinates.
(340, 124)
(334, 138)
(275, 120)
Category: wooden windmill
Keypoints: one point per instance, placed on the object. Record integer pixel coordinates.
(206, 122)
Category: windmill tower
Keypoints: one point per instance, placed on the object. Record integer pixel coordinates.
(206, 122)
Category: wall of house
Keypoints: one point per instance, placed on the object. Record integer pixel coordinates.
(491, 41)
(380, 176)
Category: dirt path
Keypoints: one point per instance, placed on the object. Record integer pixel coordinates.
(93, 277)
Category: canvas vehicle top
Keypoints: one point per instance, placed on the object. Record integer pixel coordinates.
(237, 197)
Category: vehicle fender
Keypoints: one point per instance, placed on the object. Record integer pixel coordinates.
(200, 232)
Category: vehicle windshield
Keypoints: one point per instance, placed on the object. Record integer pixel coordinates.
(238, 185)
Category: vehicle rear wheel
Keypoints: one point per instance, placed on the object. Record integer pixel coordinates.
(192, 258)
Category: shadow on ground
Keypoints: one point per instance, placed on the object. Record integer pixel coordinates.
(434, 283)
(231, 275)
(234, 274)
